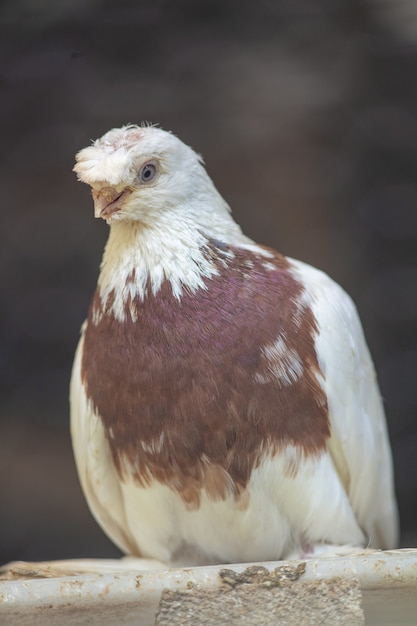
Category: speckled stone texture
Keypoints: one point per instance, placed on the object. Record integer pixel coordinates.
(323, 602)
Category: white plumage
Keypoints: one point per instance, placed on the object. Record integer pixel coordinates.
(224, 405)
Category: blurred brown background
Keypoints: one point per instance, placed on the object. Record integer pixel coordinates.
(306, 114)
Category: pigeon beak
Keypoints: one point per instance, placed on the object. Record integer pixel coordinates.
(108, 201)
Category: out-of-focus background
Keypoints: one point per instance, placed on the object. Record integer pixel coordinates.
(306, 114)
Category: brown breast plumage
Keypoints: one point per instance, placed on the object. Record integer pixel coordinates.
(192, 391)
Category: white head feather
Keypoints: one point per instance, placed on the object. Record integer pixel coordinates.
(161, 225)
(181, 182)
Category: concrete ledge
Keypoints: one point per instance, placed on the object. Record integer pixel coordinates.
(380, 587)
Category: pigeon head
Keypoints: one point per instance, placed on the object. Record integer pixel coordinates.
(138, 174)
(162, 208)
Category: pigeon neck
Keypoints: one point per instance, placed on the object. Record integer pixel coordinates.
(138, 259)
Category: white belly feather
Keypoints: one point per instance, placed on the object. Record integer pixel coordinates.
(284, 514)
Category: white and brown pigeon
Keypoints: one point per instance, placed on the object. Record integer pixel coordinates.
(224, 405)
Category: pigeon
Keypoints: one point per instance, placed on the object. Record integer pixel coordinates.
(224, 404)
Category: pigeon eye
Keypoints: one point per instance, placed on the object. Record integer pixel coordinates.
(147, 172)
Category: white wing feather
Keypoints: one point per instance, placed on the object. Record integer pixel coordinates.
(359, 445)
(95, 466)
